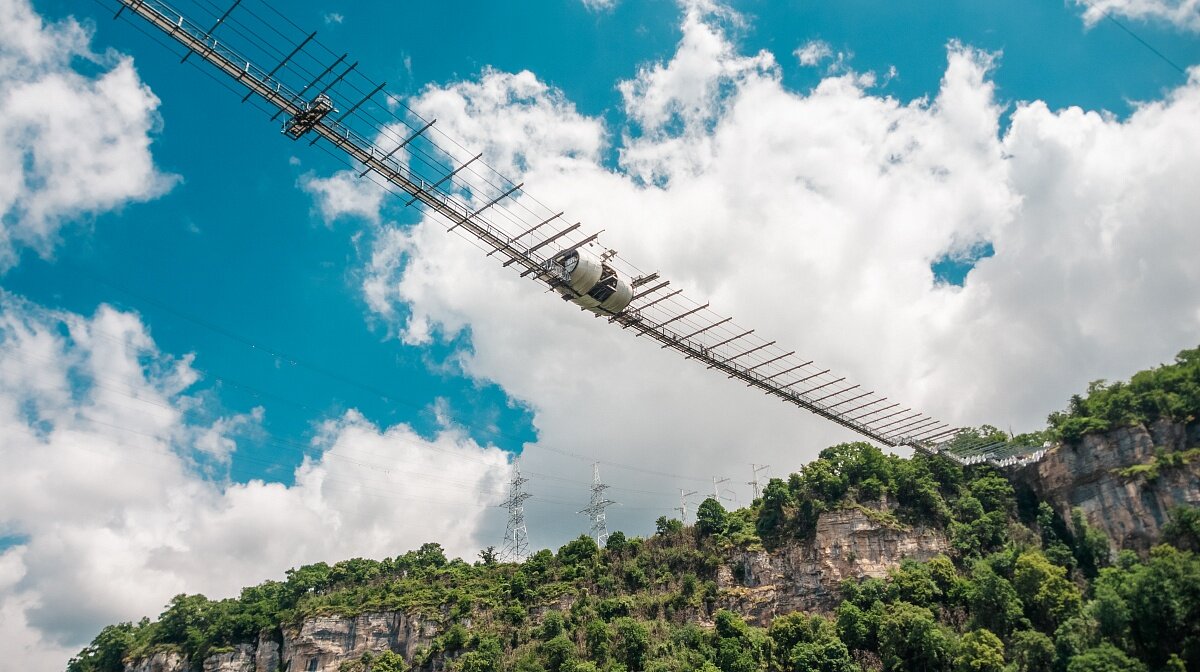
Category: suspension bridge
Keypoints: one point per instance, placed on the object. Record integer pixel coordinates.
(321, 98)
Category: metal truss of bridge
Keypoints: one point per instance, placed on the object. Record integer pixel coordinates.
(317, 95)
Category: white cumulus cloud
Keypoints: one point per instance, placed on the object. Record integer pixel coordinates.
(115, 493)
(344, 194)
(1182, 13)
(71, 145)
(105, 489)
(813, 217)
(813, 52)
(599, 5)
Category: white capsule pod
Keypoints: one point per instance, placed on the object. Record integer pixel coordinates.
(621, 296)
(583, 272)
(594, 285)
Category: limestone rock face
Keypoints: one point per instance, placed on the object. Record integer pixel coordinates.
(1131, 511)
(801, 575)
(241, 659)
(266, 654)
(159, 662)
(804, 576)
(319, 644)
(322, 643)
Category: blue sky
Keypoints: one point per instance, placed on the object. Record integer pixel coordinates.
(237, 249)
(976, 236)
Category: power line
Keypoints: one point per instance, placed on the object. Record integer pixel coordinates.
(295, 360)
(1144, 43)
(451, 207)
(744, 356)
(301, 450)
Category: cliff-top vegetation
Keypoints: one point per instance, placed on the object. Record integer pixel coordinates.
(1021, 589)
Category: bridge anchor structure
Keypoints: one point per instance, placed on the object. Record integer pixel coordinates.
(385, 141)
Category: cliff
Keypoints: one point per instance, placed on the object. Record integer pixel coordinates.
(324, 643)
(318, 644)
(853, 542)
(992, 568)
(804, 576)
(1095, 475)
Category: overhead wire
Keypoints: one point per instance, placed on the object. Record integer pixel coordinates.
(681, 304)
(302, 450)
(1144, 43)
(758, 349)
(504, 210)
(383, 126)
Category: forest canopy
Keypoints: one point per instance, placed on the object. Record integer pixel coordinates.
(1021, 590)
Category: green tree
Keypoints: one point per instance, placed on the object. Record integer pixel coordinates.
(485, 657)
(1072, 638)
(994, 492)
(912, 582)
(107, 651)
(431, 555)
(388, 662)
(553, 625)
(633, 643)
(1105, 658)
(772, 514)
(559, 654)
(538, 565)
(1171, 392)
(738, 649)
(804, 644)
(598, 640)
(979, 651)
(919, 493)
(994, 602)
(1163, 596)
(665, 527)
(579, 551)
(308, 579)
(857, 627)
(1031, 651)
(617, 543)
(184, 623)
(823, 655)
(945, 576)
(910, 639)
(710, 517)
(1048, 596)
(1183, 529)
(1109, 609)
(1091, 547)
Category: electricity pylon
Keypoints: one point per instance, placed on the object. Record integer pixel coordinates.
(753, 482)
(516, 535)
(597, 505)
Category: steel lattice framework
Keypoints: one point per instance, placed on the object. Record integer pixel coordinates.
(393, 146)
(516, 534)
(596, 506)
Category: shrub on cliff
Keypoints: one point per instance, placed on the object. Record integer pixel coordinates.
(1170, 392)
(710, 517)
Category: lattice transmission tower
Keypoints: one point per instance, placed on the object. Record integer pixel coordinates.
(596, 506)
(683, 504)
(717, 487)
(516, 535)
(756, 469)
